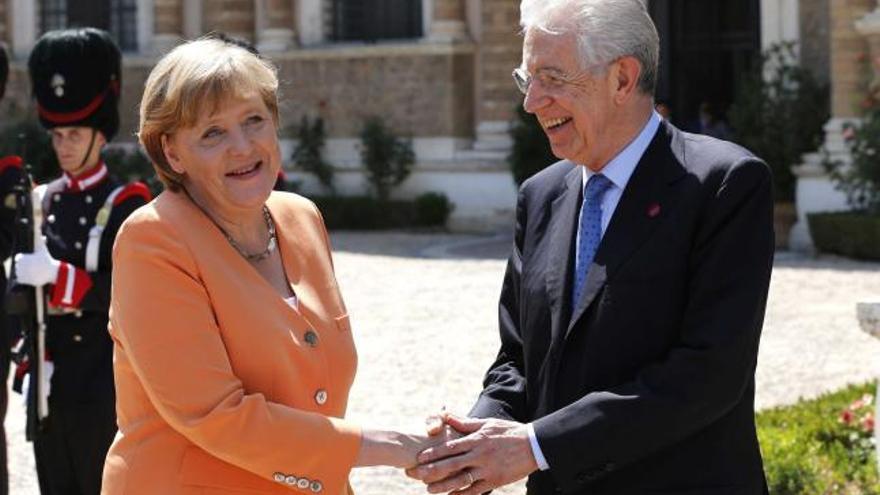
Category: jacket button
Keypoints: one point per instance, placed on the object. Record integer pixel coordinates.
(303, 483)
(321, 397)
(56, 197)
(82, 220)
(311, 338)
(316, 487)
(291, 480)
(279, 477)
(77, 337)
(50, 218)
(88, 199)
(78, 245)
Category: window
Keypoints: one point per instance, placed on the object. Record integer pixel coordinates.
(372, 20)
(53, 15)
(118, 17)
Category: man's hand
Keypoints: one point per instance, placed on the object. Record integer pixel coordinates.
(493, 453)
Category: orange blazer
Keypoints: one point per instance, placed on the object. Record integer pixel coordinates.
(221, 386)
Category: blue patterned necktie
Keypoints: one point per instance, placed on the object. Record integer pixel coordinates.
(589, 232)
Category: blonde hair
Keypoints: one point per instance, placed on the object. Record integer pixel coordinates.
(196, 77)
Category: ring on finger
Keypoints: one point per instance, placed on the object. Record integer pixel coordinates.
(470, 476)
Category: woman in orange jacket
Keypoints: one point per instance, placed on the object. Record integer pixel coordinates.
(233, 348)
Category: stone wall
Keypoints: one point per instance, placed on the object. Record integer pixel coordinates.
(848, 49)
(815, 38)
(233, 17)
(420, 90)
(500, 52)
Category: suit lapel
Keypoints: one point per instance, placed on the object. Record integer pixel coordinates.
(644, 203)
(565, 210)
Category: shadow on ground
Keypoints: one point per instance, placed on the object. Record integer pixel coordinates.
(433, 245)
(801, 261)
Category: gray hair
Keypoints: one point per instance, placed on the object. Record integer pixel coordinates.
(605, 29)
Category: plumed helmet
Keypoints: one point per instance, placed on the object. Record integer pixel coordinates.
(75, 78)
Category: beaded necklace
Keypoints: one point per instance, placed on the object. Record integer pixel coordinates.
(270, 246)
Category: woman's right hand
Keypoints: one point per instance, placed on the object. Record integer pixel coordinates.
(399, 449)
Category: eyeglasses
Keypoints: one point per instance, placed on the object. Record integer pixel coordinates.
(549, 79)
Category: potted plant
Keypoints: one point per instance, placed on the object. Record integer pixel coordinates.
(778, 113)
(855, 233)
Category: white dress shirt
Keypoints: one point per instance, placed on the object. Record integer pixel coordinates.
(618, 171)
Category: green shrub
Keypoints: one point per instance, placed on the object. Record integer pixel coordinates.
(860, 179)
(778, 113)
(369, 213)
(432, 209)
(28, 139)
(309, 152)
(388, 160)
(531, 150)
(808, 449)
(132, 165)
(851, 234)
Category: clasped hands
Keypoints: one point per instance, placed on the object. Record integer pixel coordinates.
(476, 455)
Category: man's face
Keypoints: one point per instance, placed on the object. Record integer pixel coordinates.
(573, 106)
(74, 148)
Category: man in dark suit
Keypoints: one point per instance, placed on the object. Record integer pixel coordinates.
(634, 297)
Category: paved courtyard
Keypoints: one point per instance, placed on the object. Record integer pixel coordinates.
(423, 309)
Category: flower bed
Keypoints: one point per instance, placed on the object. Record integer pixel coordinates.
(823, 446)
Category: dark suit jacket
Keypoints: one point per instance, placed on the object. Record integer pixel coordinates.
(647, 385)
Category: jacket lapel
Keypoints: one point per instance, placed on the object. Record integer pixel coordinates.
(564, 212)
(643, 205)
(291, 247)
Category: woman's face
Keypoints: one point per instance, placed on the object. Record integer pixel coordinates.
(229, 159)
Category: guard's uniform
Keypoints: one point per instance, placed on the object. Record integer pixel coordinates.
(10, 175)
(82, 216)
(76, 75)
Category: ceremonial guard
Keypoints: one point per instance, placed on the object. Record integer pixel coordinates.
(75, 76)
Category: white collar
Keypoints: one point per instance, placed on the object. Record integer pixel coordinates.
(86, 180)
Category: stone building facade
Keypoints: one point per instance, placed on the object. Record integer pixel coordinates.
(854, 44)
(447, 85)
(448, 89)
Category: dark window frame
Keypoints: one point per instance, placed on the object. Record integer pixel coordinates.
(376, 20)
(118, 17)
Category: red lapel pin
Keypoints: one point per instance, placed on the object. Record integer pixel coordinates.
(654, 210)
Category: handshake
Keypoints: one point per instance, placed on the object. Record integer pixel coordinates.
(457, 455)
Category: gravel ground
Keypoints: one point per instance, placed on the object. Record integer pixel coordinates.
(423, 309)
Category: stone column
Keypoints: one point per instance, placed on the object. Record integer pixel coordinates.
(167, 25)
(500, 51)
(814, 191)
(275, 29)
(448, 21)
(23, 26)
(234, 17)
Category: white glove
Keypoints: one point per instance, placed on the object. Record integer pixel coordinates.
(38, 268)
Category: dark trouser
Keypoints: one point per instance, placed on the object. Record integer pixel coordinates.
(4, 400)
(71, 447)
